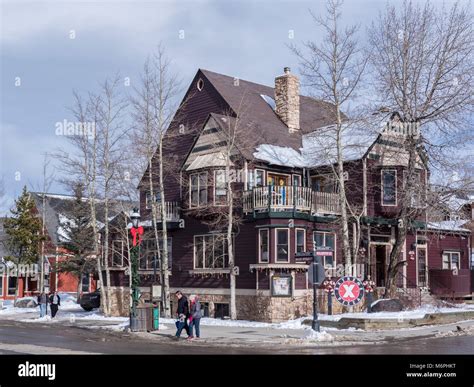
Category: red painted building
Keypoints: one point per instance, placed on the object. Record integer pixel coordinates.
(56, 208)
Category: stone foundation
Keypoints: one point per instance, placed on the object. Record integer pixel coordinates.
(120, 301)
(276, 309)
(260, 307)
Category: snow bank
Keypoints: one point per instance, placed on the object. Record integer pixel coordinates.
(318, 336)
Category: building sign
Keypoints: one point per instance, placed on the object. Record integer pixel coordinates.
(349, 290)
(304, 257)
(281, 285)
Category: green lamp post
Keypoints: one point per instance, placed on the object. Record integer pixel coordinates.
(137, 232)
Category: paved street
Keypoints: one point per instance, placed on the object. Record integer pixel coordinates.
(21, 337)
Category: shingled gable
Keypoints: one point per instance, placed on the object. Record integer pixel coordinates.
(252, 102)
(228, 95)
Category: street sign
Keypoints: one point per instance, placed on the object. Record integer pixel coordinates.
(320, 273)
(324, 253)
(349, 290)
(304, 257)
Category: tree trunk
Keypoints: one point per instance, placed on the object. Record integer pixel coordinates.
(106, 253)
(230, 241)
(342, 198)
(164, 259)
(403, 223)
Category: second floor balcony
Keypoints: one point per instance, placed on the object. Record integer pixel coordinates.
(172, 211)
(290, 198)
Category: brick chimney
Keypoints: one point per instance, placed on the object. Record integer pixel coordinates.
(287, 99)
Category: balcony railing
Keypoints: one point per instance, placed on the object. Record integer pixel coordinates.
(171, 210)
(290, 198)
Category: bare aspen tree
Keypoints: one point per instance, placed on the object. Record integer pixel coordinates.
(333, 70)
(154, 105)
(94, 161)
(110, 133)
(422, 68)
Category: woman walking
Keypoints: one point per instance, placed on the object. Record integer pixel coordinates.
(55, 302)
(195, 312)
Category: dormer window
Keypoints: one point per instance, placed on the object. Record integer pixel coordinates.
(198, 189)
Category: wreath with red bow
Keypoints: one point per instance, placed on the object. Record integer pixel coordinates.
(328, 285)
(369, 286)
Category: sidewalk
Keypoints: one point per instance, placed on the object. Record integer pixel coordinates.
(257, 335)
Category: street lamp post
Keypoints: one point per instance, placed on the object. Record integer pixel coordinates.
(136, 232)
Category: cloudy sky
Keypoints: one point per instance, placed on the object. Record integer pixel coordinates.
(49, 48)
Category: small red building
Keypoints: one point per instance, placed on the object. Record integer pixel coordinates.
(56, 206)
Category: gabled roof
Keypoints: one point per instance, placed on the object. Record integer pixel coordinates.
(254, 103)
(59, 206)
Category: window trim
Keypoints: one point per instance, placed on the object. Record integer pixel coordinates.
(121, 252)
(450, 253)
(170, 255)
(226, 266)
(148, 197)
(299, 177)
(276, 244)
(264, 178)
(215, 188)
(199, 204)
(267, 230)
(296, 239)
(382, 187)
(335, 245)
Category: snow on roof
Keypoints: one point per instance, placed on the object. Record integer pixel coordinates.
(449, 225)
(319, 146)
(456, 203)
(269, 100)
(279, 155)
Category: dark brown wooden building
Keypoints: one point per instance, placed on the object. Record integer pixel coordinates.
(286, 201)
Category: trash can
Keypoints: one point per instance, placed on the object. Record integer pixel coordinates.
(142, 323)
(156, 317)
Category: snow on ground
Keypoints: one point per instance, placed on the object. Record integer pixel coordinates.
(318, 336)
(298, 323)
(206, 321)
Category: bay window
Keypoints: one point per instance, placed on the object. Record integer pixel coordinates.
(282, 245)
(264, 247)
(300, 240)
(389, 187)
(198, 189)
(220, 187)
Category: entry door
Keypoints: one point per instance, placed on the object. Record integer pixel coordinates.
(380, 264)
(421, 253)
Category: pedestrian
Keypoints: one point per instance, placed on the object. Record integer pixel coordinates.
(43, 303)
(195, 316)
(183, 313)
(55, 302)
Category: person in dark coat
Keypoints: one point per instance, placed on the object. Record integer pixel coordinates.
(183, 314)
(43, 303)
(55, 302)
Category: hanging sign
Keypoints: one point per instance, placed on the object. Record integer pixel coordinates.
(349, 290)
